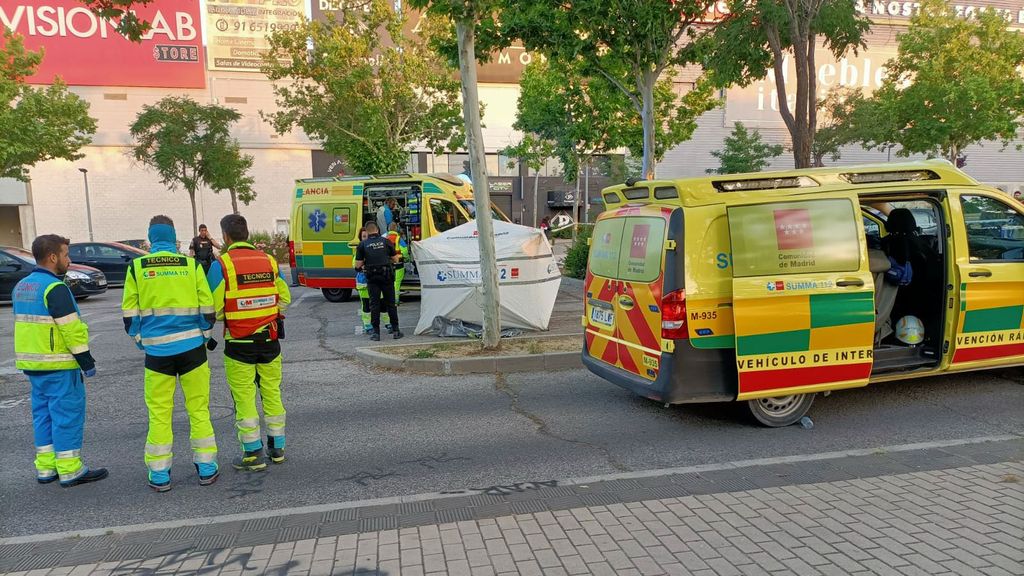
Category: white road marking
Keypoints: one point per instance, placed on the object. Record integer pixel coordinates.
(435, 496)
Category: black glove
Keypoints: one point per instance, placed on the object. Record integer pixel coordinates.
(211, 344)
(280, 328)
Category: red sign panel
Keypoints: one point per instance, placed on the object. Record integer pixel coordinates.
(85, 50)
(641, 234)
(793, 229)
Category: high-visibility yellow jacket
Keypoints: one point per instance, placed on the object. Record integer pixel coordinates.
(49, 333)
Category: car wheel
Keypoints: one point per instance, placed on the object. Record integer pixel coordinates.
(778, 411)
(337, 294)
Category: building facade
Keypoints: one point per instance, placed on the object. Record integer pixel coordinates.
(209, 51)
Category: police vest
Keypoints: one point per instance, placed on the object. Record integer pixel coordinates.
(38, 343)
(250, 295)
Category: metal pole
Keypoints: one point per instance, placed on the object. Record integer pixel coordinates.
(88, 208)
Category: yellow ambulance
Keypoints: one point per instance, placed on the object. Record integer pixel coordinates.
(327, 214)
(771, 287)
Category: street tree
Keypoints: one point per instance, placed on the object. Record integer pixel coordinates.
(761, 35)
(231, 172)
(36, 124)
(953, 83)
(467, 16)
(630, 44)
(187, 144)
(365, 91)
(533, 151)
(744, 151)
(840, 122)
(580, 118)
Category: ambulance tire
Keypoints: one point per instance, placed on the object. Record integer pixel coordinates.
(780, 411)
(337, 294)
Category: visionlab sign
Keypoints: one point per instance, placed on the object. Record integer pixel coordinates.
(86, 50)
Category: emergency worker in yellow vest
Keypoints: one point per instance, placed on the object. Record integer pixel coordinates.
(396, 238)
(51, 345)
(168, 311)
(251, 296)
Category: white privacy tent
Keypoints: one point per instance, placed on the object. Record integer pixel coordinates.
(449, 269)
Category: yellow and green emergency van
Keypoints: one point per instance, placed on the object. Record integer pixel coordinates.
(327, 214)
(769, 288)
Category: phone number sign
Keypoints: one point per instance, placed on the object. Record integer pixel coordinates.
(237, 31)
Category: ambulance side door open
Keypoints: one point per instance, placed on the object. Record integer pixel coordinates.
(803, 296)
(990, 266)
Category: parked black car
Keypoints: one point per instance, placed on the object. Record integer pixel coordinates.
(140, 243)
(16, 263)
(110, 257)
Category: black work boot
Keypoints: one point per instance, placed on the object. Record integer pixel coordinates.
(250, 462)
(90, 476)
(275, 454)
(398, 335)
(207, 480)
(375, 336)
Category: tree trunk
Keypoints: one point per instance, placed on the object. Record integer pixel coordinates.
(465, 30)
(647, 92)
(586, 192)
(536, 199)
(576, 206)
(195, 218)
(812, 95)
(801, 148)
(234, 201)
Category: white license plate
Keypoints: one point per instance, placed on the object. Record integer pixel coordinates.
(101, 282)
(602, 316)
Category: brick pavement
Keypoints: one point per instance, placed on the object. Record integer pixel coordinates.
(946, 519)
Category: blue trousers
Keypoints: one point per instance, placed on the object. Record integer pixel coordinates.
(58, 419)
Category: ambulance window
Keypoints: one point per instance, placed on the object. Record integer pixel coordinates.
(794, 238)
(445, 215)
(641, 248)
(342, 221)
(605, 247)
(995, 231)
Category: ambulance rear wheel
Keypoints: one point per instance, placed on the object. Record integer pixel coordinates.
(337, 294)
(779, 411)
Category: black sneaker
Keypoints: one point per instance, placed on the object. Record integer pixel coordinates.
(275, 454)
(390, 328)
(90, 476)
(399, 335)
(250, 462)
(375, 337)
(207, 480)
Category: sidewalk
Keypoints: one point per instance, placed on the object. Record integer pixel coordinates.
(954, 508)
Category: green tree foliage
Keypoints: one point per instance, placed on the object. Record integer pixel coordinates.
(633, 45)
(744, 151)
(954, 82)
(231, 172)
(366, 92)
(36, 124)
(128, 24)
(188, 145)
(761, 35)
(840, 123)
(534, 151)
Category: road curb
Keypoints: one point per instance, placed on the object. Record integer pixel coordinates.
(379, 357)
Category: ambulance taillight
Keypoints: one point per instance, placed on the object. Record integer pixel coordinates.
(291, 253)
(673, 316)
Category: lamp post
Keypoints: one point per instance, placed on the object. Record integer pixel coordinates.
(88, 208)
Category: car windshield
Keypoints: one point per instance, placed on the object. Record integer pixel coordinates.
(470, 207)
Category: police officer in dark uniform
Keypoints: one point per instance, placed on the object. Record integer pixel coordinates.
(202, 247)
(376, 256)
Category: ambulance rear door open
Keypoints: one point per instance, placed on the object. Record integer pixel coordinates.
(803, 296)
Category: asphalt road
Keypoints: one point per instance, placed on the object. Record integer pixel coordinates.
(355, 433)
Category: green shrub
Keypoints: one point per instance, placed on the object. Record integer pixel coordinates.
(575, 263)
(275, 244)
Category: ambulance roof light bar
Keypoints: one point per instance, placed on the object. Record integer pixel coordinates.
(764, 184)
(891, 176)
